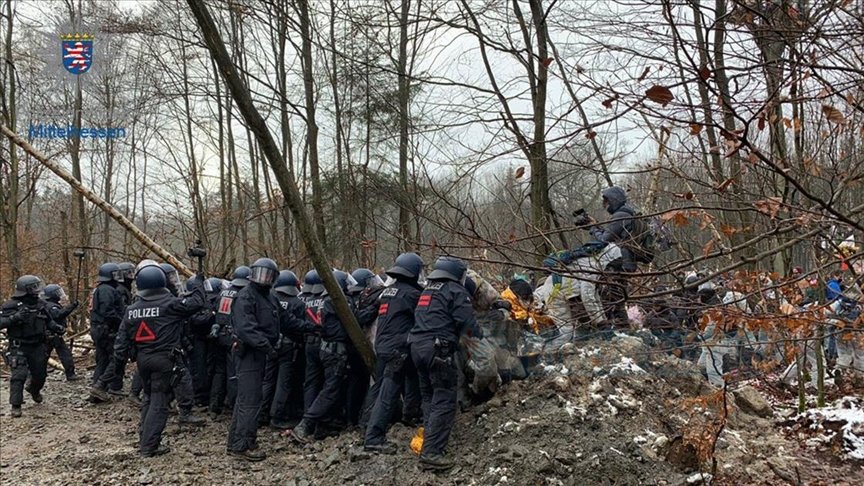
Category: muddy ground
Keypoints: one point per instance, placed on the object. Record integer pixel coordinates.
(600, 413)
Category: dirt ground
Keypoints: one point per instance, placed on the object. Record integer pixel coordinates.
(606, 413)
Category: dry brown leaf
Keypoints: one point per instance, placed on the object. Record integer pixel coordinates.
(706, 250)
(519, 172)
(659, 94)
(724, 185)
(833, 114)
(770, 206)
(590, 135)
(705, 73)
(695, 129)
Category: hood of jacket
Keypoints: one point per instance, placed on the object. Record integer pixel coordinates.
(616, 197)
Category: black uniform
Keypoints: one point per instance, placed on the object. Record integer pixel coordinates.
(314, 372)
(200, 350)
(27, 320)
(106, 312)
(443, 312)
(282, 375)
(55, 341)
(395, 320)
(255, 316)
(341, 364)
(223, 377)
(153, 327)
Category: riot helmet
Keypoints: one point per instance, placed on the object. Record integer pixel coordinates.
(172, 279)
(312, 283)
(264, 272)
(27, 285)
(287, 283)
(53, 293)
(127, 272)
(150, 281)
(109, 272)
(449, 268)
(366, 279)
(240, 277)
(408, 265)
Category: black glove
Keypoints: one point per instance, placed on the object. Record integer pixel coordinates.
(272, 354)
(56, 328)
(75, 304)
(502, 304)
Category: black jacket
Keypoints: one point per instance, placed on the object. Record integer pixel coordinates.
(619, 226)
(255, 316)
(292, 321)
(27, 319)
(366, 306)
(443, 311)
(313, 312)
(106, 307)
(396, 305)
(154, 324)
(59, 313)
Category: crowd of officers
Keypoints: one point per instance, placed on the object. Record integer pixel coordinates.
(264, 347)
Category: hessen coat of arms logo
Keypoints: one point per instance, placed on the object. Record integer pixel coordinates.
(77, 52)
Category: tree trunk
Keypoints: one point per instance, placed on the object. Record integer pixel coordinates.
(9, 200)
(406, 200)
(311, 124)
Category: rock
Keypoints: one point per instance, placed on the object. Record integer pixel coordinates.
(699, 478)
(751, 401)
(84, 439)
(661, 442)
(333, 458)
(682, 455)
(560, 383)
(628, 345)
(357, 454)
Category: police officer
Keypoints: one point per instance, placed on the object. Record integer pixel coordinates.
(53, 294)
(127, 275)
(153, 326)
(200, 326)
(172, 277)
(255, 316)
(223, 384)
(281, 375)
(26, 319)
(339, 358)
(395, 320)
(310, 293)
(106, 312)
(364, 298)
(443, 312)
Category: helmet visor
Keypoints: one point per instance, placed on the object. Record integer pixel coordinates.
(117, 275)
(421, 279)
(263, 275)
(34, 288)
(374, 282)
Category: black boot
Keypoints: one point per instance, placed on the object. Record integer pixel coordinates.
(435, 462)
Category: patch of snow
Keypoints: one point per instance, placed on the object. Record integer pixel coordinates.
(626, 366)
(848, 410)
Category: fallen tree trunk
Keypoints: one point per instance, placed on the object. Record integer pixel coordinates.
(243, 99)
(99, 202)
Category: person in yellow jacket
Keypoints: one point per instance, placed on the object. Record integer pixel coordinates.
(520, 295)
